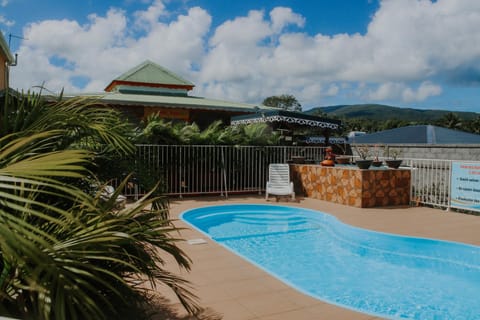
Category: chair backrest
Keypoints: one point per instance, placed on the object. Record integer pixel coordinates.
(279, 174)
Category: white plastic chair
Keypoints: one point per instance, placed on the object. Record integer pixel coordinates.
(279, 183)
(108, 192)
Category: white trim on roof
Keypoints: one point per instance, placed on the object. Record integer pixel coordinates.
(282, 118)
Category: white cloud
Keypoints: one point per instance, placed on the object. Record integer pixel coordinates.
(332, 90)
(3, 3)
(386, 91)
(282, 17)
(410, 49)
(424, 91)
(6, 22)
(242, 31)
(103, 48)
(147, 18)
(414, 41)
(403, 92)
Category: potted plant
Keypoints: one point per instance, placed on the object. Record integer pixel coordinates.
(393, 162)
(343, 158)
(376, 161)
(363, 152)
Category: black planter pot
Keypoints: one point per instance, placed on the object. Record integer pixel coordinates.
(394, 164)
(363, 164)
(377, 163)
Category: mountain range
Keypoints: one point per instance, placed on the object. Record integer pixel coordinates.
(383, 112)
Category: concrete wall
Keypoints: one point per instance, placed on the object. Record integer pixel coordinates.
(444, 152)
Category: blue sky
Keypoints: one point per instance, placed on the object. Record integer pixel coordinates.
(408, 53)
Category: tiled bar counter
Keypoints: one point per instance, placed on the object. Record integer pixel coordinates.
(346, 184)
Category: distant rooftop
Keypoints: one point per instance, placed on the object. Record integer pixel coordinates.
(419, 134)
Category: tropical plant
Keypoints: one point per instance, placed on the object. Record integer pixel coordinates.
(213, 134)
(259, 134)
(188, 133)
(158, 131)
(65, 253)
(376, 151)
(363, 151)
(86, 125)
(393, 153)
(450, 120)
(473, 125)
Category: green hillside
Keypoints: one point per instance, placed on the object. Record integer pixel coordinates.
(383, 112)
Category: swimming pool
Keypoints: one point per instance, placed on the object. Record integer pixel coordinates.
(376, 273)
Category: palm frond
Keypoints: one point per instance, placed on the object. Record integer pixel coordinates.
(65, 254)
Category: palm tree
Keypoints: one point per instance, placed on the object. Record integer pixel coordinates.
(260, 134)
(473, 125)
(450, 120)
(158, 131)
(64, 253)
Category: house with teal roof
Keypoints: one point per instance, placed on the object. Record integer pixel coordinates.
(150, 88)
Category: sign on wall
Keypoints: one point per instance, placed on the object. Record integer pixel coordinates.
(465, 185)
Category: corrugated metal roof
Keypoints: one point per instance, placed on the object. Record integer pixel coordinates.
(136, 87)
(420, 134)
(150, 72)
(178, 102)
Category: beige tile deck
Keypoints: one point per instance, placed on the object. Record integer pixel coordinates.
(233, 289)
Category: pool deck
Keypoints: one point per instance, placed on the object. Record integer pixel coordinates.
(231, 288)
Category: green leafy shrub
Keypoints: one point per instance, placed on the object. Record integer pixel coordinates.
(64, 252)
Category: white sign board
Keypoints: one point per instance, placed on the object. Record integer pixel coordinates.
(465, 185)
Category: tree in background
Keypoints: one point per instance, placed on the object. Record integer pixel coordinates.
(450, 120)
(284, 101)
(373, 118)
(320, 113)
(473, 126)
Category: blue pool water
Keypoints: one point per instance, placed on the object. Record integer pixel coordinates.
(376, 273)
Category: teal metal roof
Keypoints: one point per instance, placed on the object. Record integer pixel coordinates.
(150, 72)
(189, 102)
(5, 49)
(133, 88)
